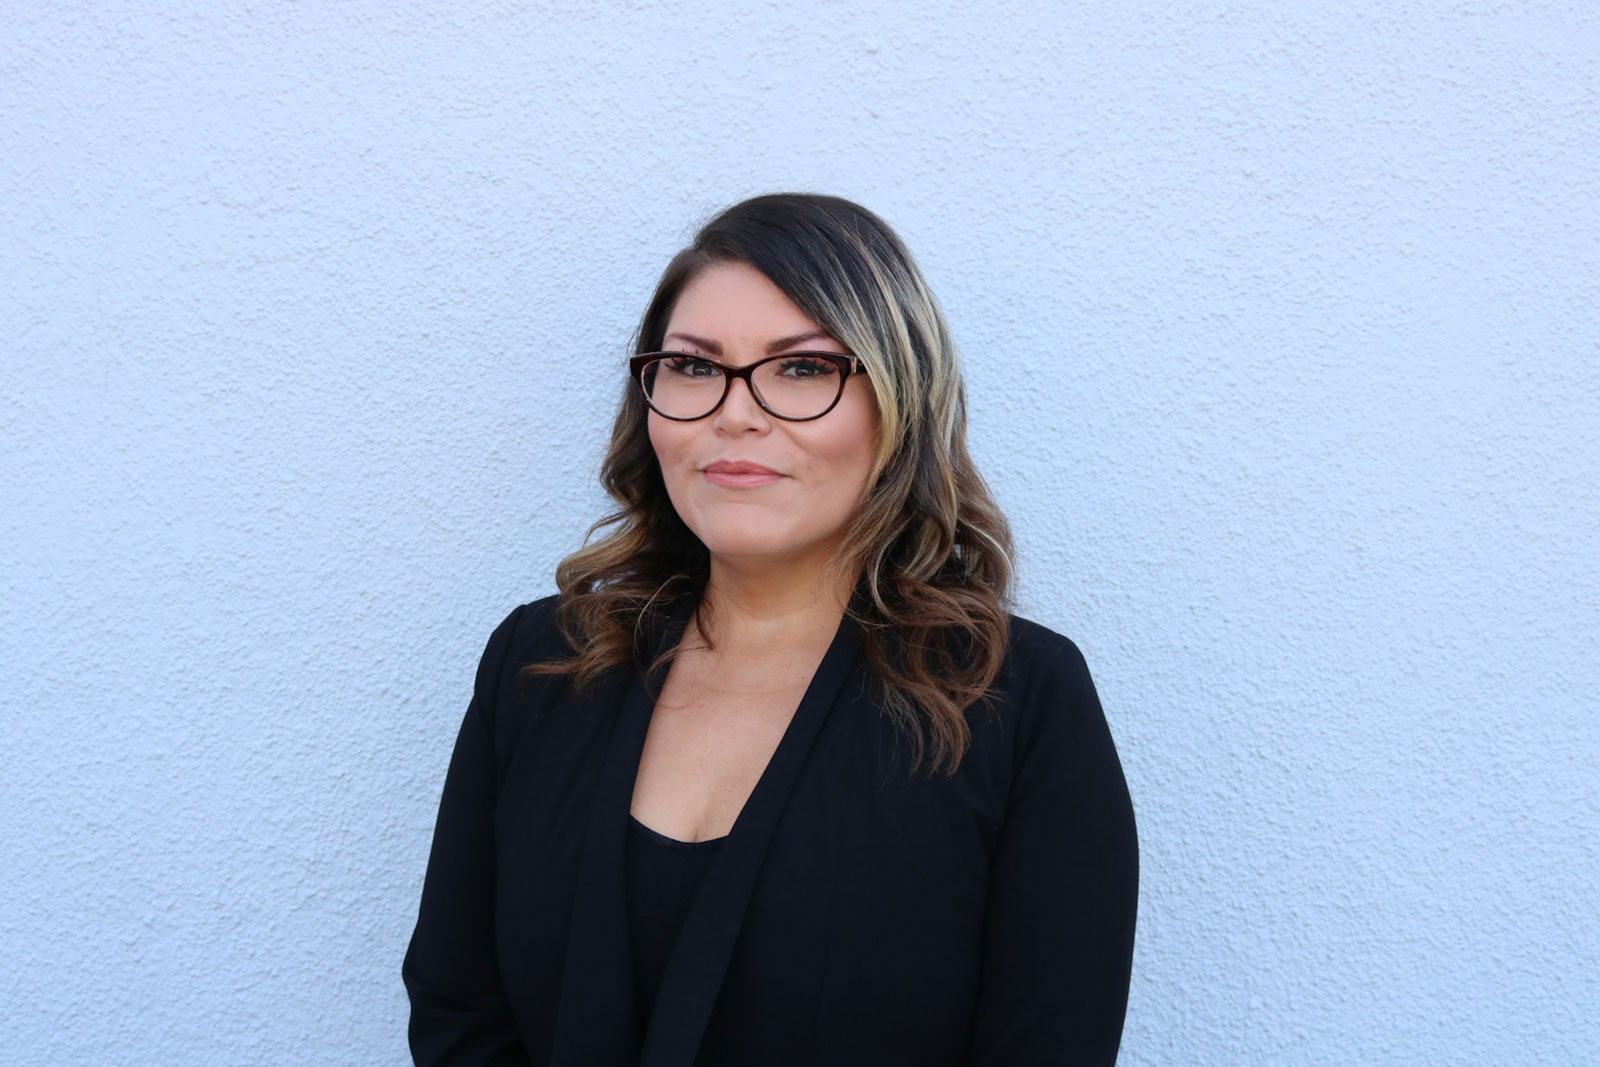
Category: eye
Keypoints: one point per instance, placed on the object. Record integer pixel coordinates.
(689, 366)
(800, 368)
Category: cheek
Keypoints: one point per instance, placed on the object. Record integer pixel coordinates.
(844, 466)
(857, 444)
(668, 447)
(666, 440)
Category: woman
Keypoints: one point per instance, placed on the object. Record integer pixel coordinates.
(775, 779)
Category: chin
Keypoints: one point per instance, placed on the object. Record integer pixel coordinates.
(752, 540)
(747, 546)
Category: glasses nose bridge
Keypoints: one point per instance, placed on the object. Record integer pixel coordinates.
(733, 376)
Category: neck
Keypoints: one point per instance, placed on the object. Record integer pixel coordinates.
(763, 602)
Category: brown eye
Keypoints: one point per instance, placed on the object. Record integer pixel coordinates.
(689, 367)
(803, 367)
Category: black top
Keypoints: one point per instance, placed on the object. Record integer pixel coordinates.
(857, 914)
(664, 874)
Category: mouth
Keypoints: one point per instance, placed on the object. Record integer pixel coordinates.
(739, 475)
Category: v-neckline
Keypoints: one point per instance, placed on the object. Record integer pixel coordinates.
(597, 983)
(657, 837)
(678, 626)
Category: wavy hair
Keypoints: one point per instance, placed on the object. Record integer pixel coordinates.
(930, 550)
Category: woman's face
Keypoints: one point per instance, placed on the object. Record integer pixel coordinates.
(755, 488)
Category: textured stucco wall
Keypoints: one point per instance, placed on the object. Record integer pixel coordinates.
(1284, 356)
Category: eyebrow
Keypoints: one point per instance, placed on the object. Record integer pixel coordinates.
(776, 346)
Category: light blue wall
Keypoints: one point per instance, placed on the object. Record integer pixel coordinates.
(1280, 324)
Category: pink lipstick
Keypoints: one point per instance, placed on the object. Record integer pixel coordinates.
(731, 475)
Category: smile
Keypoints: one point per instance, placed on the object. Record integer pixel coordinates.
(739, 475)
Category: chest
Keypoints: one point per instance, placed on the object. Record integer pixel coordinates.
(713, 730)
(847, 909)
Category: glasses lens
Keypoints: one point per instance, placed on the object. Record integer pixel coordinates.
(682, 387)
(800, 386)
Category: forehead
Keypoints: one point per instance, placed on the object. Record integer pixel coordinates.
(733, 304)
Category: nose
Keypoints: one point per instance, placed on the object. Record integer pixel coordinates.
(739, 411)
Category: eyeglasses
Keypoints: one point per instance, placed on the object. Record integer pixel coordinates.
(795, 387)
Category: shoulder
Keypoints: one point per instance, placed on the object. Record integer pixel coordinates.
(1039, 658)
(1046, 694)
(529, 634)
(516, 706)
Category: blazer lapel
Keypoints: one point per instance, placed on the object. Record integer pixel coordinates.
(594, 1024)
(700, 959)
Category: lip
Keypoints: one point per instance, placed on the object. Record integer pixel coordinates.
(739, 475)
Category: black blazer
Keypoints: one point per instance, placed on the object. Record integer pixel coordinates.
(856, 914)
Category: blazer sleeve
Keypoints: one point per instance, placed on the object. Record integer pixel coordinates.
(459, 1012)
(1063, 892)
